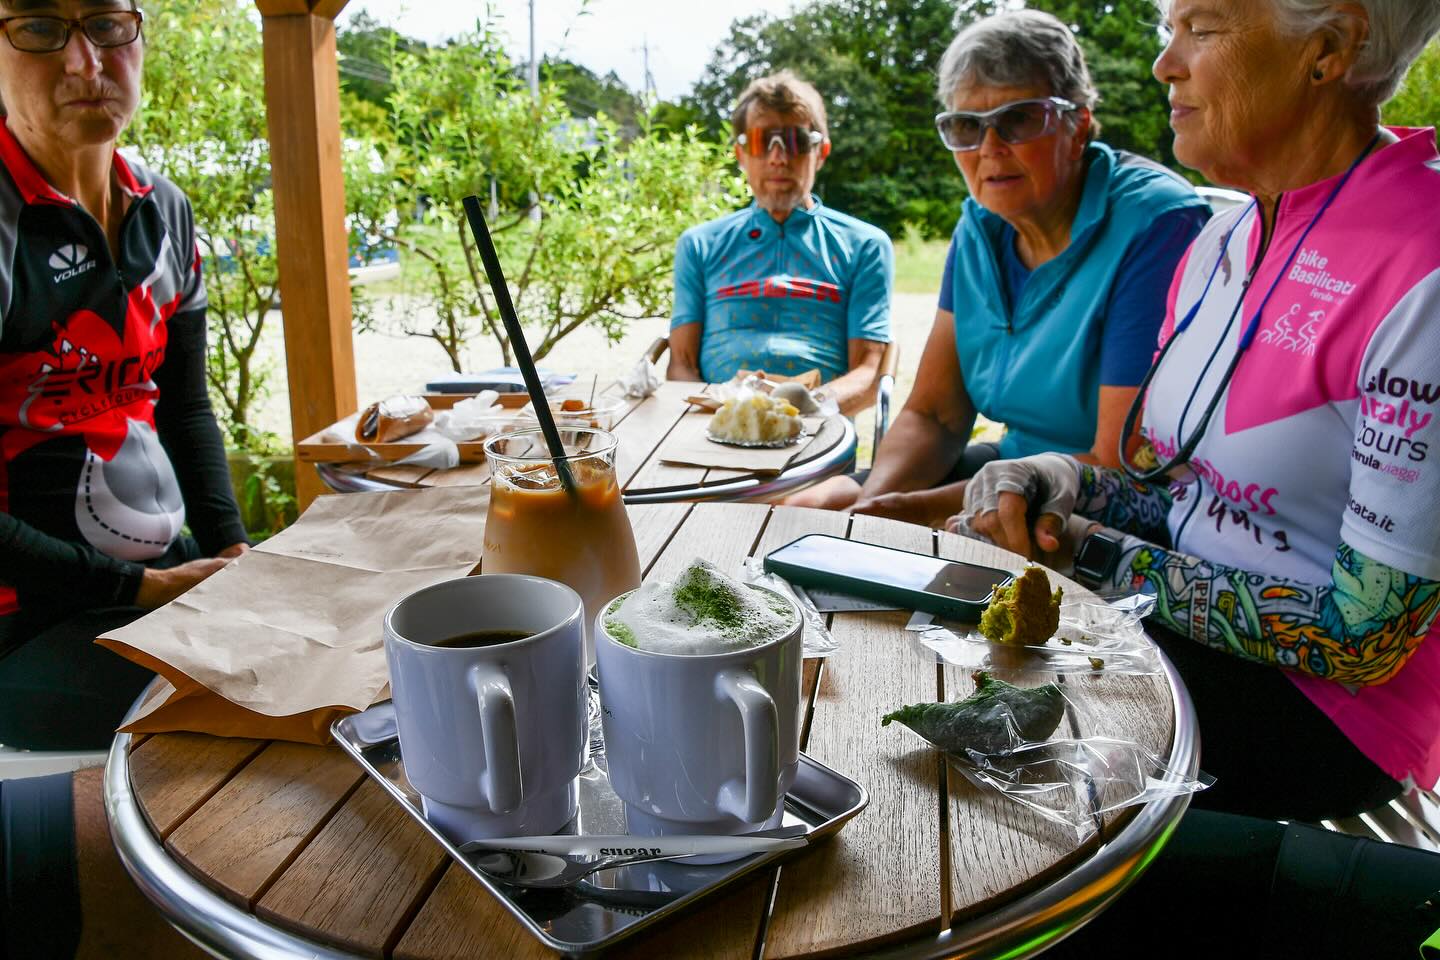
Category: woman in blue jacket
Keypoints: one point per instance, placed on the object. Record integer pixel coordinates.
(1055, 283)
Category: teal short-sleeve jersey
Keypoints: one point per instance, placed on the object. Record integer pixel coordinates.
(784, 298)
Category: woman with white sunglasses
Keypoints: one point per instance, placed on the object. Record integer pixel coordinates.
(1054, 283)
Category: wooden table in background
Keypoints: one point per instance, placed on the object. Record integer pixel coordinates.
(642, 429)
(299, 837)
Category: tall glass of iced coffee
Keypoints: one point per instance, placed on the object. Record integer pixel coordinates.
(580, 537)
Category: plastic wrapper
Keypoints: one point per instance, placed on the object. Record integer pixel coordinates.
(474, 418)
(823, 405)
(818, 640)
(1095, 636)
(442, 454)
(1066, 778)
(641, 381)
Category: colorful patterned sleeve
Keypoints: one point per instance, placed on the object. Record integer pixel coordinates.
(1109, 496)
(1359, 629)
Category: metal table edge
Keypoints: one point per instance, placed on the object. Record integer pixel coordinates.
(214, 924)
(756, 488)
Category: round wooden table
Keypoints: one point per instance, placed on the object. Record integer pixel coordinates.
(270, 849)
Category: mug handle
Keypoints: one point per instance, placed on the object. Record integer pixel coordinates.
(501, 781)
(762, 747)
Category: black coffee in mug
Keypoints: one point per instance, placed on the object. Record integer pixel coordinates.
(480, 638)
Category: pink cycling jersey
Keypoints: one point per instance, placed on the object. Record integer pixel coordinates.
(1330, 429)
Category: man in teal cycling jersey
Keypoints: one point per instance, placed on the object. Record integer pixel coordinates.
(786, 285)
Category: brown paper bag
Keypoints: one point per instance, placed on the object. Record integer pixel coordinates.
(288, 637)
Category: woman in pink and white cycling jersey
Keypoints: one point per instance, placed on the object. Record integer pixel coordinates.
(1287, 519)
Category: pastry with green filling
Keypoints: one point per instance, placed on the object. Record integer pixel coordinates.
(1023, 612)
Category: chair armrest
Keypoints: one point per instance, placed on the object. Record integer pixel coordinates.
(884, 388)
(656, 350)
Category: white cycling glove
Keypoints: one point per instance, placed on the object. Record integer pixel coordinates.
(1049, 482)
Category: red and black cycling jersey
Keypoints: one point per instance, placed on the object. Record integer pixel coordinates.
(108, 444)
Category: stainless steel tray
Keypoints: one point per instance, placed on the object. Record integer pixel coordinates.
(611, 904)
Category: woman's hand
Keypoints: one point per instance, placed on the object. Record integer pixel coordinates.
(159, 587)
(908, 507)
(1005, 495)
(928, 508)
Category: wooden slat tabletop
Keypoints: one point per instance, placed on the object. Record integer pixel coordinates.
(299, 837)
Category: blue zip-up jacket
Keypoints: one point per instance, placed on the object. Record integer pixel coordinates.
(1036, 367)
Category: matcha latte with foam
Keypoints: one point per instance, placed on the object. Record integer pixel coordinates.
(700, 700)
(703, 612)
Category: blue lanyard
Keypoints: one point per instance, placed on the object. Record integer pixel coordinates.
(1188, 447)
(1254, 325)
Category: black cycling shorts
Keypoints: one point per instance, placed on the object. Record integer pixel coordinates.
(39, 883)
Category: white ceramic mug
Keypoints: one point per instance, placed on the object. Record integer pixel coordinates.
(704, 744)
(493, 737)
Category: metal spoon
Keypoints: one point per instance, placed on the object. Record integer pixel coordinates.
(517, 861)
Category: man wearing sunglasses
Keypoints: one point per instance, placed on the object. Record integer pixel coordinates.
(108, 449)
(787, 285)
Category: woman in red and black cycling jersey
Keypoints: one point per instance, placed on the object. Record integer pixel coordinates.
(108, 445)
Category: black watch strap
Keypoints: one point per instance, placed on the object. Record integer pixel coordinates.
(1097, 558)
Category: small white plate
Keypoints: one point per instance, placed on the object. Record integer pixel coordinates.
(767, 444)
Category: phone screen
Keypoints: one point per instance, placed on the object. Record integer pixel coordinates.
(898, 568)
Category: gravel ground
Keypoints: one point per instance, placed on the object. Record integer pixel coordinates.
(386, 364)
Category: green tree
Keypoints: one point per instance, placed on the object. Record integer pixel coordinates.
(1417, 103)
(202, 124)
(600, 251)
(365, 46)
(874, 62)
(1121, 40)
(587, 94)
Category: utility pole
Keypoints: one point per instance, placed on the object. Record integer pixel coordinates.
(534, 63)
(535, 96)
(648, 82)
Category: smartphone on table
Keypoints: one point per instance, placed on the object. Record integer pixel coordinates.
(913, 581)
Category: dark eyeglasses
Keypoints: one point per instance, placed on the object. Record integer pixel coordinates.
(1017, 122)
(758, 141)
(113, 28)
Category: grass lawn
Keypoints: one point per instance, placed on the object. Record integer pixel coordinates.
(919, 263)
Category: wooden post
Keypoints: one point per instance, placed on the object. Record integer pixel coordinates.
(302, 99)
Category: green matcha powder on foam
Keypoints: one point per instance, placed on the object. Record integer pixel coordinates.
(714, 601)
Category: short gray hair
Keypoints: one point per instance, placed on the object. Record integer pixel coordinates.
(1020, 48)
(1399, 30)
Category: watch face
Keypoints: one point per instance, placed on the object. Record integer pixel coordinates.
(1098, 556)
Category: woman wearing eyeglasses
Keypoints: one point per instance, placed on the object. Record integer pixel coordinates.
(1054, 283)
(108, 445)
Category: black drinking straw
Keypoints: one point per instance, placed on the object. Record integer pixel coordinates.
(517, 340)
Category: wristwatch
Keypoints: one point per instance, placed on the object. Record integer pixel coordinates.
(1098, 557)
